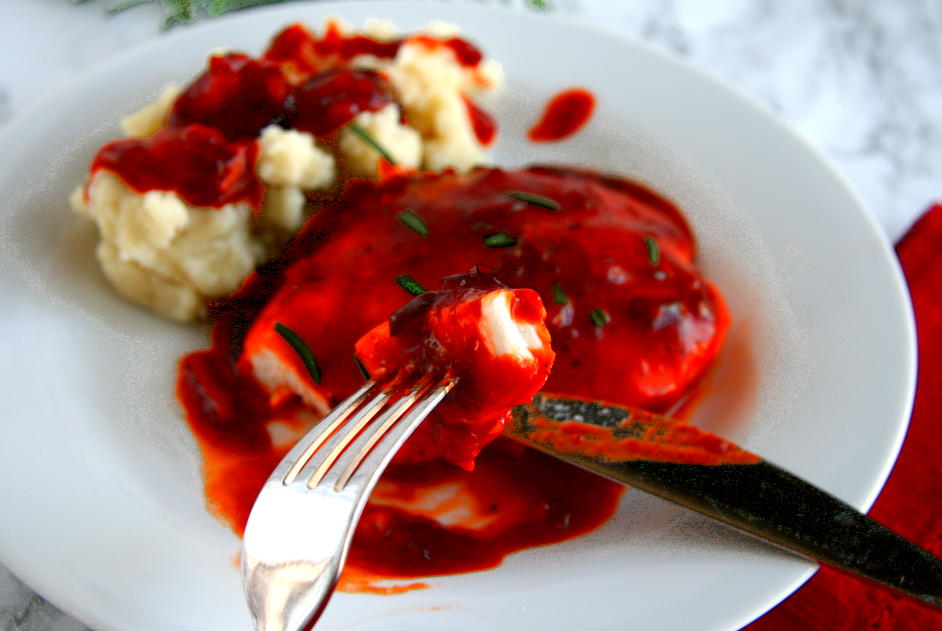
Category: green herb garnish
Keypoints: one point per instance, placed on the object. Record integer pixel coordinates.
(366, 375)
(654, 254)
(367, 137)
(413, 222)
(559, 295)
(599, 317)
(185, 10)
(536, 200)
(302, 349)
(499, 240)
(410, 284)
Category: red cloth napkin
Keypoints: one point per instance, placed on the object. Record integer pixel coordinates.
(911, 501)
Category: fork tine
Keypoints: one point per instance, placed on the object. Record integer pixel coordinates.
(377, 459)
(344, 466)
(287, 470)
(329, 449)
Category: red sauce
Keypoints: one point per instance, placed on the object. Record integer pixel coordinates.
(565, 114)
(301, 81)
(301, 53)
(466, 53)
(642, 436)
(196, 162)
(485, 127)
(519, 499)
(240, 96)
(451, 332)
(336, 282)
(667, 320)
(237, 95)
(329, 100)
(293, 50)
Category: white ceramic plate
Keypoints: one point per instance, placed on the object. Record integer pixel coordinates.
(99, 476)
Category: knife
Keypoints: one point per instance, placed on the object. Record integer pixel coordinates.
(700, 471)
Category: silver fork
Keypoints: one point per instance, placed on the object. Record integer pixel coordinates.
(296, 540)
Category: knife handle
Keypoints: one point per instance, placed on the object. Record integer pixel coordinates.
(772, 504)
(722, 481)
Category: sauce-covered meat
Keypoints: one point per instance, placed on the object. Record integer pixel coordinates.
(666, 321)
(249, 397)
(491, 338)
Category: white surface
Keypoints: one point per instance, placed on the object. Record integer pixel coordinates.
(815, 293)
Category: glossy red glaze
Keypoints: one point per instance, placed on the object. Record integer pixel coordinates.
(484, 125)
(642, 436)
(336, 282)
(302, 54)
(329, 100)
(293, 50)
(565, 114)
(228, 413)
(302, 81)
(466, 53)
(452, 332)
(667, 320)
(517, 498)
(195, 162)
(237, 95)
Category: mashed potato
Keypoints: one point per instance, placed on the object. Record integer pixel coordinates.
(402, 142)
(171, 257)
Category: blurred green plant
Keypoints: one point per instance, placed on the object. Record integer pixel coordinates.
(184, 11)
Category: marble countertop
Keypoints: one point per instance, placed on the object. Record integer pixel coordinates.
(859, 80)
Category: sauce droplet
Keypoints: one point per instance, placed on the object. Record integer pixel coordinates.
(485, 127)
(565, 114)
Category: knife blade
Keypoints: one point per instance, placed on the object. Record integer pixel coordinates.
(702, 472)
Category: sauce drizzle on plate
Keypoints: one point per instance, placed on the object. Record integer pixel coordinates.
(564, 115)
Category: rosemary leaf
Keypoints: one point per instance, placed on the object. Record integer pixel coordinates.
(654, 254)
(302, 349)
(367, 137)
(412, 221)
(499, 240)
(536, 200)
(559, 295)
(410, 284)
(366, 375)
(599, 317)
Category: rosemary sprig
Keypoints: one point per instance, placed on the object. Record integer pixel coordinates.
(599, 317)
(654, 254)
(499, 240)
(367, 137)
(366, 375)
(411, 285)
(412, 221)
(185, 10)
(302, 349)
(536, 200)
(559, 295)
